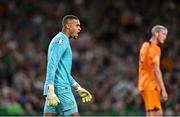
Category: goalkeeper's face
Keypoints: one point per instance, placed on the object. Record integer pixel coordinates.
(74, 28)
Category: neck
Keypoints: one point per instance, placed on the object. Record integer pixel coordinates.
(154, 40)
(66, 32)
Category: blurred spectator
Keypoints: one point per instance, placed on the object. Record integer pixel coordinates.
(104, 58)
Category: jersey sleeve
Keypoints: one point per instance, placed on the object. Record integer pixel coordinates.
(73, 83)
(54, 57)
(155, 55)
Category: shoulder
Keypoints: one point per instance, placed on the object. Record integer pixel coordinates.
(155, 49)
(58, 40)
(145, 45)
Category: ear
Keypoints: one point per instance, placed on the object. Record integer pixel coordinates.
(67, 26)
(156, 34)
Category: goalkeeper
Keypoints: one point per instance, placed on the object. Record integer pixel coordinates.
(57, 87)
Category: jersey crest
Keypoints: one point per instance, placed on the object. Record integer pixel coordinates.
(60, 41)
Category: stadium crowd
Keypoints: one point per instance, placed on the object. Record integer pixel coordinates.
(105, 56)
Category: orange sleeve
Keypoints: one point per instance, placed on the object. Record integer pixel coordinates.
(155, 54)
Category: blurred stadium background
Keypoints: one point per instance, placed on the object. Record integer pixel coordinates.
(105, 57)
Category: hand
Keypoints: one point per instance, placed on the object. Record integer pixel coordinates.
(164, 95)
(52, 99)
(84, 94)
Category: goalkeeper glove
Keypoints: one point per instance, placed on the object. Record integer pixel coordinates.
(52, 99)
(84, 94)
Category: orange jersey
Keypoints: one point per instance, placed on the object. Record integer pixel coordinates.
(149, 55)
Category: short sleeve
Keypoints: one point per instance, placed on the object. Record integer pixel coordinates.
(155, 54)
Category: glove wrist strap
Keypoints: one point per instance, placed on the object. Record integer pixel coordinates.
(51, 89)
(76, 85)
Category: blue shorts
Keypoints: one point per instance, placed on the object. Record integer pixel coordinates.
(67, 104)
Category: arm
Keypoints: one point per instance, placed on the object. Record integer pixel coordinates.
(156, 53)
(158, 75)
(84, 94)
(54, 57)
(159, 79)
(74, 83)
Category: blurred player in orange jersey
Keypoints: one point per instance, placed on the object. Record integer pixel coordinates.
(150, 82)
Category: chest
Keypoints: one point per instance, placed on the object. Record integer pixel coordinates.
(67, 53)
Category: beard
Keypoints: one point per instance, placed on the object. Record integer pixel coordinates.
(73, 37)
(160, 42)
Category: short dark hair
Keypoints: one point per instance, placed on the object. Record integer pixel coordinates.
(68, 17)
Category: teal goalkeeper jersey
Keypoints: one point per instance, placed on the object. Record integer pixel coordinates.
(59, 64)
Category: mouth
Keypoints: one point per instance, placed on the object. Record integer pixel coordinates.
(75, 37)
(77, 33)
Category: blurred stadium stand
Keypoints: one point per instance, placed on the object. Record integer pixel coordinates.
(105, 57)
